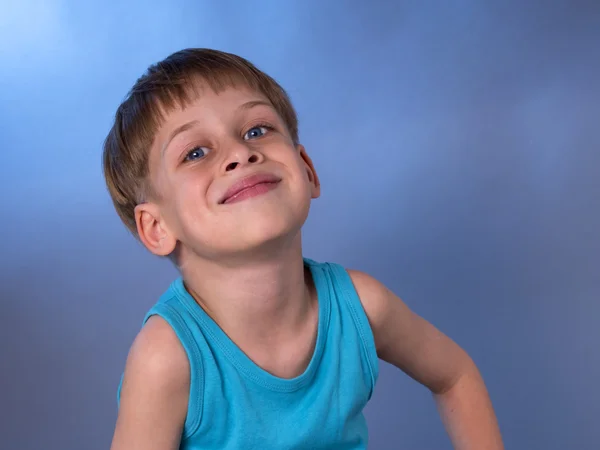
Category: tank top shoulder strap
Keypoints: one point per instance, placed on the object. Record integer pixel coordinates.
(351, 303)
(170, 309)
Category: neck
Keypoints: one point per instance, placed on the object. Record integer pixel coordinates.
(255, 301)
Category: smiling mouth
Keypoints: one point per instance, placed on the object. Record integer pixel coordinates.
(249, 187)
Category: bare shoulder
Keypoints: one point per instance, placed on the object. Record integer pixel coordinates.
(158, 354)
(155, 390)
(386, 312)
(374, 296)
(405, 339)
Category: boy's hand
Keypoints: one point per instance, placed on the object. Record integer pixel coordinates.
(415, 346)
(155, 390)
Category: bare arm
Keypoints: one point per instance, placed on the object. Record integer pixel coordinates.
(155, 390)
(415, 346)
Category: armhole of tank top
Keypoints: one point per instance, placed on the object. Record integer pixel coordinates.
(196, 396)
(360, 320)
(119, 391)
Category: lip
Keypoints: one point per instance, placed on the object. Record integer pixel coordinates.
(246, 183)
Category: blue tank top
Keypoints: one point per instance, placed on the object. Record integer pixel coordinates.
(234, 404)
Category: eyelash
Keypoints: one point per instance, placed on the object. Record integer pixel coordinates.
(188, 153)
(258, 125)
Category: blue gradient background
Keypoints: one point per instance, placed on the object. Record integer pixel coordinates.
(459, 150)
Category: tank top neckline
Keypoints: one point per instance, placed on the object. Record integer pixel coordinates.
(240, 360)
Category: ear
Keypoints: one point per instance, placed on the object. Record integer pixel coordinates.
(152, 230)
(313, 178)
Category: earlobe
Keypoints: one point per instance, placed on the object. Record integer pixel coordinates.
(313, 178)
(152, 230)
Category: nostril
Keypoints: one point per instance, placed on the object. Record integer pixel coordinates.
(231, 166)
(253, 159)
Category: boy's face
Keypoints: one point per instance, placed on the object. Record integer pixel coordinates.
(228, 178)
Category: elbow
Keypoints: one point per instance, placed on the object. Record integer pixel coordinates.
(463, 367)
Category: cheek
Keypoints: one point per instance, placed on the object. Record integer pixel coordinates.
(303, 169)
(304, 177)
(193, 198)
(189, 200)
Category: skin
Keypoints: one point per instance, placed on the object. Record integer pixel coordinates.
(259, 293)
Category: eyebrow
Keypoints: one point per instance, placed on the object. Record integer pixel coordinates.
(251, 104)
(191, 124)
(186, 126)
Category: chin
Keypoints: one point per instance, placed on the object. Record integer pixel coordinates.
(257, 236)
(257, 228)
(265, 232)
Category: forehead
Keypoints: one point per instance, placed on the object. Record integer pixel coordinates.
(202, 96)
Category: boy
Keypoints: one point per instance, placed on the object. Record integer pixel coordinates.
(254, 346)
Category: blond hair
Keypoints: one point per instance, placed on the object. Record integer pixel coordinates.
(166, 85)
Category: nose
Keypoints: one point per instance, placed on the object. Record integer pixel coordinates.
(241, 156)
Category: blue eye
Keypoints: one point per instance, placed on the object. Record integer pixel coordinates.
(255, 132)
(195, 153)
